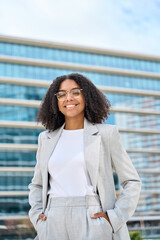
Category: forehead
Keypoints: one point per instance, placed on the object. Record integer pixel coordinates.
(68, 84)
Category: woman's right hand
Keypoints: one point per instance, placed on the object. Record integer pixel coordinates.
(42, 217)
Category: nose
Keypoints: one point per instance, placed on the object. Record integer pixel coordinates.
(68, 96)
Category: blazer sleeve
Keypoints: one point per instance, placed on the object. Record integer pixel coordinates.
(128, 179)
(35, 193)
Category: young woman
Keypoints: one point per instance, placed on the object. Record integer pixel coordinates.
(72, 194)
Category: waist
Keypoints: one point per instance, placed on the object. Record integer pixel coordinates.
(85, 201)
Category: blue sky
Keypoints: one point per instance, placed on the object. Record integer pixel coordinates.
(129, 25)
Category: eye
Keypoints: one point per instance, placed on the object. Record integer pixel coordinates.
(76, 92)
(61, 94)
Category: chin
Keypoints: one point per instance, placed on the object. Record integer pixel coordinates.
(71, 116)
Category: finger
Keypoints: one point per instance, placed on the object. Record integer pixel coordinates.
(96, 215)
(42, 216)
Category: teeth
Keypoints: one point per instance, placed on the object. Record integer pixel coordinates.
(70, 106)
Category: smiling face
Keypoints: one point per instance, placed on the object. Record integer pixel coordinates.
(71, 107)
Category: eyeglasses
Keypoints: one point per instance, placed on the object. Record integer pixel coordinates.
(62, 94)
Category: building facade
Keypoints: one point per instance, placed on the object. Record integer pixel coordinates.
(131, 82)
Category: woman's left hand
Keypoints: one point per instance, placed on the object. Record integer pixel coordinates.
(101, 214)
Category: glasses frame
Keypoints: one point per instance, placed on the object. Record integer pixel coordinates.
(66, 92)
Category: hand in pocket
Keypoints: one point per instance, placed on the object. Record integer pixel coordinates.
(42, 217)
(101, 214)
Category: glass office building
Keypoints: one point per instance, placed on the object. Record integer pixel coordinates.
(131, 82)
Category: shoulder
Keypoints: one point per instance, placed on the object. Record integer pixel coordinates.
(106, 127)
(43, 135)
(49, 134)
(108, 131)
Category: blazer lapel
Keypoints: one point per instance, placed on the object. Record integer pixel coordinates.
(92, 141)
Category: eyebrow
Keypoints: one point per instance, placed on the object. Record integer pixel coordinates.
(69, 90)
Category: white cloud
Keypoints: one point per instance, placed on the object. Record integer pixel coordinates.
(117, 24)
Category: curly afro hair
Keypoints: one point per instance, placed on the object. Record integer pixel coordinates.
(97, 106)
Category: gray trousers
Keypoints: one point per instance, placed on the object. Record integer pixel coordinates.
(69, 218)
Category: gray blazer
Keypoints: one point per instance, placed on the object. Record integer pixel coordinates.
(103, 154)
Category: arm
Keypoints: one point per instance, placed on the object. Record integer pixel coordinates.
(35, 194)
(129, 180)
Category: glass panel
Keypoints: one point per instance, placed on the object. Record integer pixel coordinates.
(14, 205)
(129, 120)
(145, 160)
(78, 57)
(19, 135)
(15, 181)
(45, 73)
(22, 92)
(133, 102)
(16, 113)
(23, 158)
(149, 202)
(135, 140)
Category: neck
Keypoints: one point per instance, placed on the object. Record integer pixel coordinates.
(73, 124)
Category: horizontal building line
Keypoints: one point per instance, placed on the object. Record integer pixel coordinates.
(144, 150)
(80, 48)
(77, 67)
(150, 213)
(13, 193)
(16, 169)
(25, 82)
(15, 147)
(14, 217)
(137, 92)
(31, 169)
(149, 170)
(20, 102)
(33, 147)
(139, 130)
(144, 218)
(134, 111)
(107, 89)
(21, 124)
(35, 125)
(150, 191)
(36, 104)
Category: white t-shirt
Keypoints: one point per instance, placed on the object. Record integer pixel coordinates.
(67, 168)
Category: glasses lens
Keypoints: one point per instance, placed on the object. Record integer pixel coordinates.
(75, 92)
(61, 95)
